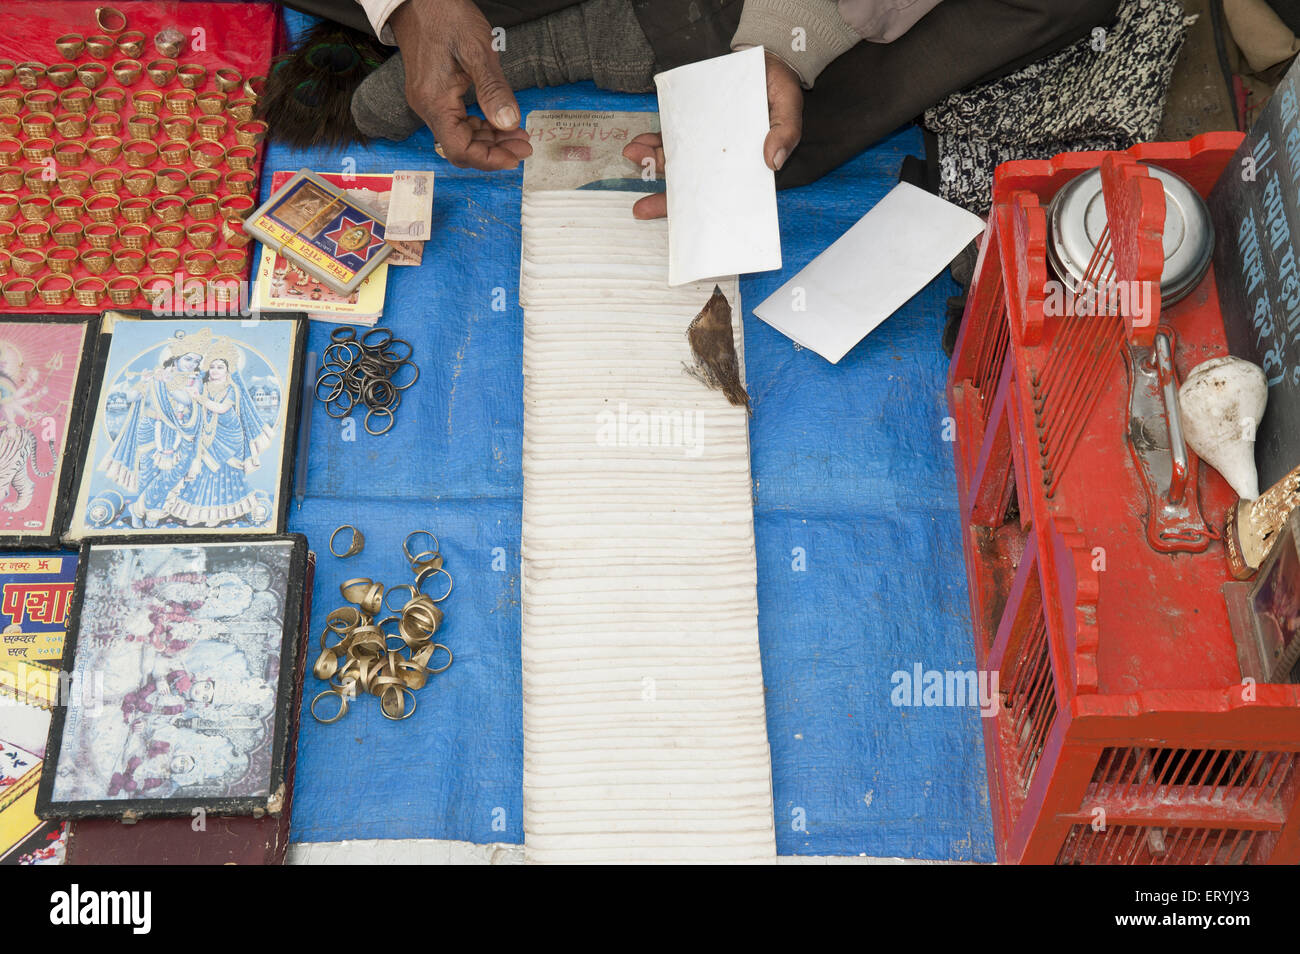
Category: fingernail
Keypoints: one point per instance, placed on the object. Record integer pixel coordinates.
(507, 117)
(779, 159)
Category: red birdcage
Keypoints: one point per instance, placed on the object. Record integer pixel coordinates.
(1127, 733)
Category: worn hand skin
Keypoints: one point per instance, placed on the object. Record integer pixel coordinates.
(785, 122)
(447, 48)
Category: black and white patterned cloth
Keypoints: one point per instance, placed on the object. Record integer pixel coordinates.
(1107, 91)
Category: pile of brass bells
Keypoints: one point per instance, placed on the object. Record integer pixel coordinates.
(360, 651)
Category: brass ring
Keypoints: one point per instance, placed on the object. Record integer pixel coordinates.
(356, 545)
(110, 19)
(96, 261)
(393, 589)
(53, 296)
(163, 260)
(191, 75)
(29, 74)
(105, 125)
(75, 100)
(201, 234)
(213, 128)
(72, 181)
(343, 706)
(110, 99)
(180, 101)
(147, 101)
(60, 260)
(108, 179)
(124, 289)
(254, 86)
(38, 125)
(19, 292)
(61, 74)
(131, 43)
(135, 209)
(179, 128)
(35, 179)
(169, 41)
(227, 80)
(70, 45)
(198, 262)
(69, 233)
(127, 71)
(89, 291)
(161, 71)
(167, 235)
(428, 560)
(38, 150)
(139, 153)
(410, 557)
(400, 706)
(91, 74)
(100, 46)
(140, 183)
(428, 573)
(211, 103)
(129, 261)
(70, 125)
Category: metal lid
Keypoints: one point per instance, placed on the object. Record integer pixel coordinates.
(1078, 215)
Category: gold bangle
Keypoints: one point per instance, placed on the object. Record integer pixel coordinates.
(167, 234)
(70, 45)
(136, 209)
(204, 181)
(60, 259)
(35, 208)
(68, 234)
(34, 233)
(96, 260)
(28, 261)
(147, 101)
(169, 41)
(35, 179)
(140, 182)
(61, 74)
(123, 290)
(201, 234)
(105, 149)
(205, 154)
(110, 19)
(75, 100)
(131, 43)
(191, 75)
(69, 153)
(19, 292)
(171, 180)
(212, 128)
(226, 79)
(89, 291)
(161, 71)
(69, 208)
(127, 71)
(128, 261)
(100, 46)
(91, 74)
(169, 209)
(106, 180)
(139, 153)
(180, 101)
(51, 295)
(105, 125)
(198, 262)
(101, 236)
(38, 150)
(70, 125)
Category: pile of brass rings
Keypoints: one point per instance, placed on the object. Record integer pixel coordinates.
(426, 564)
(369, 371)
(355, 545)
(358, 655)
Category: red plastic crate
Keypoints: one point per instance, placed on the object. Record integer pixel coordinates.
(1126, 734)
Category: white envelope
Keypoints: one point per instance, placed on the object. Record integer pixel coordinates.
(870, 271)
(721, 194)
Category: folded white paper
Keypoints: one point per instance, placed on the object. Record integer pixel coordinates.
(721, 194)
(870, 271)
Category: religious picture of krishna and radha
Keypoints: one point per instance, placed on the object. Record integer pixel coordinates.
(176, 674)
(39, 367)
(189, 434)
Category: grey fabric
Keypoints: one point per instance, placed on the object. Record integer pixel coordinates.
(599, 40)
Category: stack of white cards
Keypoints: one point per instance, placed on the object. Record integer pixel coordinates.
(645, 735)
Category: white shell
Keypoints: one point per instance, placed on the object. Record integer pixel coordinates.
(1221, 403)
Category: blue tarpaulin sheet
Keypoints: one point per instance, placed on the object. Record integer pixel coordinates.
(860, 570)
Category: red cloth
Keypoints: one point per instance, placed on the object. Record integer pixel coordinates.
(237, 35)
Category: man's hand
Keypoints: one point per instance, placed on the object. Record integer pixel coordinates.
(447, 48)
(785, 126)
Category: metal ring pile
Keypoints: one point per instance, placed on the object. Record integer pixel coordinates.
(365, 372)
(362, 658)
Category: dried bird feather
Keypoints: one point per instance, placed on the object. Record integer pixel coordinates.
(714, 347)
(308, 97)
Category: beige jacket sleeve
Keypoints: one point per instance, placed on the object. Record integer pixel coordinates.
(378, 12)
(809, 34)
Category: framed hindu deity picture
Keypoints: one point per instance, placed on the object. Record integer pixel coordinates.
(180, 664)
(45, 365)
(191, 427)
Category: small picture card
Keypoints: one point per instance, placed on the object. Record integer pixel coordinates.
(180, 666)
(313, 223)
(35, 594)
(193, 426)
(45, 367)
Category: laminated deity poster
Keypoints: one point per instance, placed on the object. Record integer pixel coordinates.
(193, 428)
(43, 373)
(180, 659)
